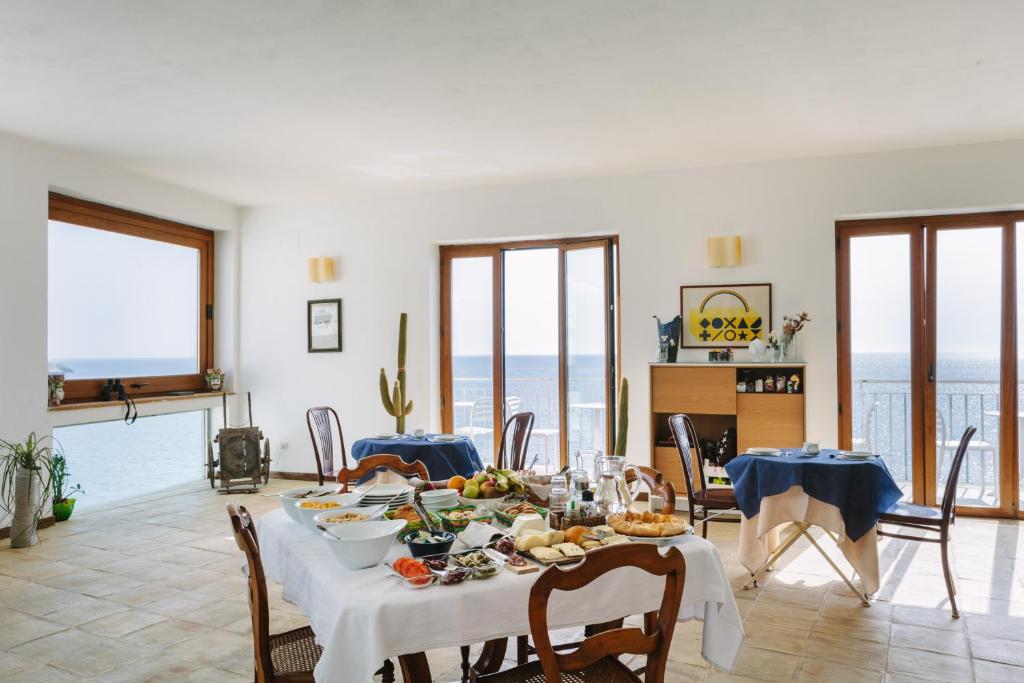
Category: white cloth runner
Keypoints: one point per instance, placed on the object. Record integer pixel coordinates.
(363, 617)
(759, 535)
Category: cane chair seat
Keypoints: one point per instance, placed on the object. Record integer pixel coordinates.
(294, 651)
(607, 670)
(916, 514)
(716, 499)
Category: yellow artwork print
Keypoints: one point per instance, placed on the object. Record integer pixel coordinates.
(729, 319)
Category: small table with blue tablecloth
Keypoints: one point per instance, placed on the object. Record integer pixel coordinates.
(845, 497)
(443, 459)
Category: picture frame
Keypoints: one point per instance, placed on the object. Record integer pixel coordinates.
(724, 316)
(323, 326)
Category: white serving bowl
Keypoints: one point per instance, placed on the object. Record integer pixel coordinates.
(345, 500)
(364, 544)
(288, 498)
(439, 495)
(372, 513)
(487, 503)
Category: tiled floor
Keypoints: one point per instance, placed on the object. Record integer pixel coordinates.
(151, 591)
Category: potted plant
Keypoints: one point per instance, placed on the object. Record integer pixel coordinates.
(215, 379)
(63, 503)
(25, 475)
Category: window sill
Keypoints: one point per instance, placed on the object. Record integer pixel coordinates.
(85, 405)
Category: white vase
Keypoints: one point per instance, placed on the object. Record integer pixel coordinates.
(26, 508)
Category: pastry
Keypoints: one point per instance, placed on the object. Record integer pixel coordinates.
(575, 534)
(646, 524)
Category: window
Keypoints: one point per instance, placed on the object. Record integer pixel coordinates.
(130, 297)
(530, 327)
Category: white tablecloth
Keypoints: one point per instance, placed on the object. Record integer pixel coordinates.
(363, 617)
(759, 535)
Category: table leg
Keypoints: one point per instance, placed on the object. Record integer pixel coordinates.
(415, 668)
(491, 657)
(752, 582)
(863, 598)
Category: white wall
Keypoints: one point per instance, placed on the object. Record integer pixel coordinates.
(28, 171)
(386, 250)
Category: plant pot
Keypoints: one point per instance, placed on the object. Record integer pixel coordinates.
(27, 487)
(62, 511)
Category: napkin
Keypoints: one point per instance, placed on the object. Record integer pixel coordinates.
(477, 534)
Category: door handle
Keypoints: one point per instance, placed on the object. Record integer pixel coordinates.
(931, 372)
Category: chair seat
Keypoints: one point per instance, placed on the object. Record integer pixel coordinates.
(607, 670)
(294, 651)
(914, 514)
(716, 499)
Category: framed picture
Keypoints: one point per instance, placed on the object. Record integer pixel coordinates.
(324, 325)
(721, 316)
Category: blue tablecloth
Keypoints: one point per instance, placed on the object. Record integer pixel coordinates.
(444, 459)
(861, 489)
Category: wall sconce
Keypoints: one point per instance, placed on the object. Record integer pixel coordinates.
(724, 252)
(321, 269)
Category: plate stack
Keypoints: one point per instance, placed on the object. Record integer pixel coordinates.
(439, 499)
(397, 494)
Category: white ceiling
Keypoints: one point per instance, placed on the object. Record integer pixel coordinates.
(263, 101)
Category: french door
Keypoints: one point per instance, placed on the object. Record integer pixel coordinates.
(927, 345)
(530, 326)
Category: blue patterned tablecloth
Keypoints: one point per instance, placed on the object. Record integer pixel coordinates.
(444, 459)
(861, 489)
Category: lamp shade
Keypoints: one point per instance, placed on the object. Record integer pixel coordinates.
(724, 252)
(321, 269)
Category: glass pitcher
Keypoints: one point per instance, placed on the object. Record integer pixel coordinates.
(613, 494)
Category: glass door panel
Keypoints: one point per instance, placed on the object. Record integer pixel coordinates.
(881, 346)
(967, 303)
(531, 348)
(1019, 417)
(472, 355)
(586, 349)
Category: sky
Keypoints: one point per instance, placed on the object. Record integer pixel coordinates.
(968, 281)
(531, 303)
(116, 296)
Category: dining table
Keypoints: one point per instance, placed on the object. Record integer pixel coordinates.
(842, 493)
(363, 617)
(444, 457)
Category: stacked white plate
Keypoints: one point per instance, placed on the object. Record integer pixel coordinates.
(395, 495)
(439, 499)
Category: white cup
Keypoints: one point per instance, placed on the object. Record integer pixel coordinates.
(811, 447)
(420, 433)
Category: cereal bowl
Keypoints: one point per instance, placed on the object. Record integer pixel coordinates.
(289, 497)
(311, 507)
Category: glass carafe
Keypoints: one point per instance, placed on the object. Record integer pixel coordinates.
(613, 494)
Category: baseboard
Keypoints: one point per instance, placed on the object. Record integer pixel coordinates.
(301, 476)
(5, 532)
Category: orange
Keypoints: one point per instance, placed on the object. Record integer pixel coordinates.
(456, 482)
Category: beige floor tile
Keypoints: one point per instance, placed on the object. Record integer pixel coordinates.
(932, 665)
(920, 616)
(766, 665)
(994, 672)
(777, 614)
(932, 639)
(849, 651)
(81, 653)
(40, 674)
(778, 638)
(122, 623)
(163, 634)
(862, 629)
(817, 670)
(997, 650)
(216, 648)
(22, 628)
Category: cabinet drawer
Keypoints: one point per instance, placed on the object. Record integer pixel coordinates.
(771, 420)
(701, 391)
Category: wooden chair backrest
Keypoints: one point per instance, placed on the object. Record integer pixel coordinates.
(949, 495)
(382, 461)
(654, 644)
(245, 536)
(657, 485)
(515, 439)
(688, 445)
(319, 421)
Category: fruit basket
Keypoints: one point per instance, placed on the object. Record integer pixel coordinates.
(458, 518)
(506, 514)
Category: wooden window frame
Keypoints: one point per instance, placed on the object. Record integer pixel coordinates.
(102, 217)
(496, 250)
(922, 231)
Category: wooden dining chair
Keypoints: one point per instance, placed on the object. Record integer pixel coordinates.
(933, 520)
(515, 439)
(596, 659)
(288, 657)
(382, 461)
(320, 421)
(706, 505)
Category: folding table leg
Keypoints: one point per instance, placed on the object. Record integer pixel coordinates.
(752, 582)
(863, 597)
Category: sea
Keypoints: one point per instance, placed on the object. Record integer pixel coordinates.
(114, 461)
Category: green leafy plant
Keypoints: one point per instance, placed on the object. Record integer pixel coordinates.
(395, 402)
(32, 456)
(59, 468)
(623, 413)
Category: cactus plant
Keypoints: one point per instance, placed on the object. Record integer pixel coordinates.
(395, 400)
(623, 428)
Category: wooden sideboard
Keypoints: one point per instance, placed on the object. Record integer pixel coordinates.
(708, 393)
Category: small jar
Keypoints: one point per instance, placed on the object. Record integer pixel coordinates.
(759, 386)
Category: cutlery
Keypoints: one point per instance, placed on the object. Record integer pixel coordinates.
(424, 515)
